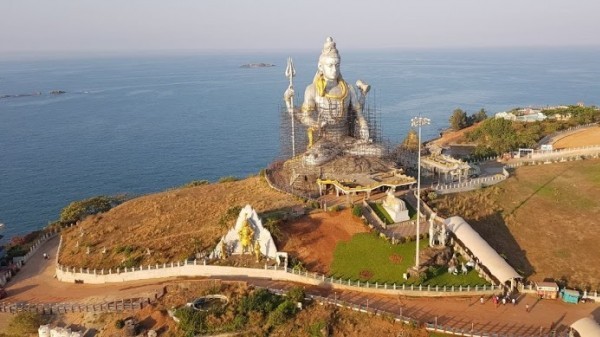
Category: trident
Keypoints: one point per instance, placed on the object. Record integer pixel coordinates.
(290, 72)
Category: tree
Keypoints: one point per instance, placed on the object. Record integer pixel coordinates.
(78, 210)
(458, 120)
(479, 116)
(496, 134)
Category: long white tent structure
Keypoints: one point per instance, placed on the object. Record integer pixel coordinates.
(587, 327)
(480, 249)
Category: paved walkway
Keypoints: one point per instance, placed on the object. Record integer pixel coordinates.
(35, 283)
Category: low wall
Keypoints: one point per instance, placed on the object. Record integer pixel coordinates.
(471, 184)
(372, 217)
(192, 269)
(196, 269)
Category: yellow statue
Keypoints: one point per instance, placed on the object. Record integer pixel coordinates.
(246, 234)
(223, 250)
(257, 250)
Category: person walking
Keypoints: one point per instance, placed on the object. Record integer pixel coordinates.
(527, 307)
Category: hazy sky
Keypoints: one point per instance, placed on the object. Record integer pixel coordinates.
(39, 26)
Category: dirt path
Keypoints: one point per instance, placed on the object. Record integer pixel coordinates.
(35, 283)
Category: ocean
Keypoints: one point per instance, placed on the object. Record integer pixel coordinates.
(142, 124)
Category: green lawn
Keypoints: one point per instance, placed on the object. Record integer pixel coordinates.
(441, 277)
(381, 213)
(367, 257)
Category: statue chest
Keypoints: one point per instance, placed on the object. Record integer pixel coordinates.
(332, 110)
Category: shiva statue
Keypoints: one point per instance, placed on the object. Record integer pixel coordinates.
(333, 113)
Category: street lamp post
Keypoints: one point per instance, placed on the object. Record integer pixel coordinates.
(418, 122)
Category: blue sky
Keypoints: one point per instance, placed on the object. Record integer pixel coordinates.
(42, 26)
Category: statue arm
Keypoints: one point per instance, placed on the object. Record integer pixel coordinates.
(309, 108)
(288, 98)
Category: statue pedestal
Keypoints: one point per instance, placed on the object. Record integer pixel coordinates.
(293, 176)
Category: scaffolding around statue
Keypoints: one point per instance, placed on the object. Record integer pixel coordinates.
(334, 133)
(293, 137)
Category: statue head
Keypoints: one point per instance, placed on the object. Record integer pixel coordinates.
(329, 61)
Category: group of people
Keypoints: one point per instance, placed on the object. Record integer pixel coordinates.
(500, 299)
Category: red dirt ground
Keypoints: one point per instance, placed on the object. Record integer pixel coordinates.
(312, 238)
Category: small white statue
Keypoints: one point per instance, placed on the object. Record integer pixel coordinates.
(395, 207)
(443, 235)
(431, 233)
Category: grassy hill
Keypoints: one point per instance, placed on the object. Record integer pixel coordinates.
(171, 225)
(543, 219)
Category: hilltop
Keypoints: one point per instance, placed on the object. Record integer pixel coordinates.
(171, 225)
(539, 219)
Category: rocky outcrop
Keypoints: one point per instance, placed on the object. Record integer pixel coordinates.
(257, 65)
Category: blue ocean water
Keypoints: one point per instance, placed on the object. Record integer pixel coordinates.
(143, 124)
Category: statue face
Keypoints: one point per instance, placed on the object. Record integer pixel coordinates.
(330, 67)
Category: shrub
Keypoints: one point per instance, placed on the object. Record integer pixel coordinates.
(17, 240)
(335, 208)
(296, 294)
(432, 195)
(191, 321)
(132, 262)
(16, 251)
(357, 211)
(78, 210)
(315, 329)
(272, 224)
(25, 323)
(283, 311)
(195, 183)
(127, 250)
(120, 324)
(261, 300)
(228, 179)
(239, 321)
(231, 214)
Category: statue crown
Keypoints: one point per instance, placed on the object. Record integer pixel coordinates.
(329, 49)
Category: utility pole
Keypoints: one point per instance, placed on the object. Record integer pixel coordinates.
(419, 122)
